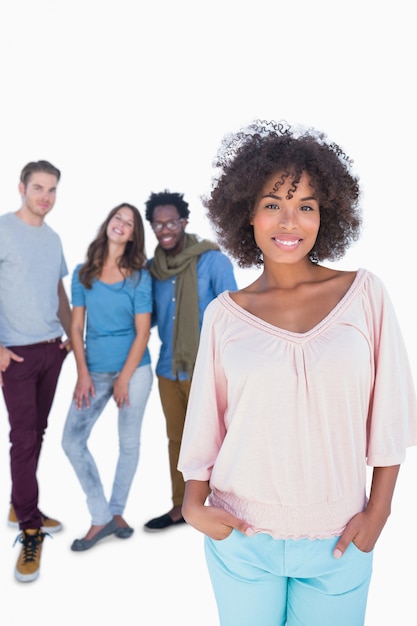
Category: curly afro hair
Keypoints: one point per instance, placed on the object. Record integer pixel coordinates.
(164, 198)
(247, 158)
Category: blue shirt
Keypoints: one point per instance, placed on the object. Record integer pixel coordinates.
(111, 310)
(214, 275)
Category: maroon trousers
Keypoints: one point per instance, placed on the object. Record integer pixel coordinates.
(28, 390)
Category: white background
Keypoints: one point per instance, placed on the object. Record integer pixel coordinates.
(130, 97)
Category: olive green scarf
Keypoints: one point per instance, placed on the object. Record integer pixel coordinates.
(187, 324)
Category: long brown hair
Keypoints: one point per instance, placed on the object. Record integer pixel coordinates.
(133, 258)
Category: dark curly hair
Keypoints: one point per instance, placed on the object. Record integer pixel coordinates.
(247, 158)
(162, 199)
(132, 260)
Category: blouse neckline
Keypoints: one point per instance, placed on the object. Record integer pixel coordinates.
(317, 328)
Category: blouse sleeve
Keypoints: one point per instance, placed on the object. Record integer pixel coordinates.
(204, 428)
(392, 418)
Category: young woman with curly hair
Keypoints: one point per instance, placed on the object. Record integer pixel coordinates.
(301, 381)
(112, 297)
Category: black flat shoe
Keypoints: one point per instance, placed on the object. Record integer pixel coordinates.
(80, 545)
(161, 523)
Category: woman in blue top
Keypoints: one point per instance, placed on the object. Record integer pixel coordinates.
(112, 298)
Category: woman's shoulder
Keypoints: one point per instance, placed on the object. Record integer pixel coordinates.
(222, 306)
(368, 279)
(143, 274)
(76, 271)
(140, 279)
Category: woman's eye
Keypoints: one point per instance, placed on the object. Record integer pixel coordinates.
(272, 206)
(306, 207)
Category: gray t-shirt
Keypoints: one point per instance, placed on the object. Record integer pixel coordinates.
(31, 265)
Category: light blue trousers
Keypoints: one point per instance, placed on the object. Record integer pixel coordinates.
(77, 430)
(261, 581)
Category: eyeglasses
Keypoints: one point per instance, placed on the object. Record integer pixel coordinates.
(157, 227)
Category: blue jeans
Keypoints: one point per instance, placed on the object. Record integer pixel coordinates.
(261, 581)
(77, 430)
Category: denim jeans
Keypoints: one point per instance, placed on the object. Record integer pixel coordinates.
(77, 430)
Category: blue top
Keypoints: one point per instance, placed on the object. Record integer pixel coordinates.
(214, 275)
(111, 310)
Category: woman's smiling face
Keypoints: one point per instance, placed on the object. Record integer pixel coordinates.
(121, 226)
(286, 219)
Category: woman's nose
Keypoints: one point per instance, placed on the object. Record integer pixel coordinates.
(287, 218)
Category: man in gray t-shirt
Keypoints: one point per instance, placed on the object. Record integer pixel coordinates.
(34, 312)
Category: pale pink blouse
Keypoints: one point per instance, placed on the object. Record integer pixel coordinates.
(283, 424)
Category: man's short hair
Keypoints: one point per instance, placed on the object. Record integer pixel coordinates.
(38, 166)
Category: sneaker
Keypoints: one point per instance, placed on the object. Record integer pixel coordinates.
(28, 563)
(49, 525)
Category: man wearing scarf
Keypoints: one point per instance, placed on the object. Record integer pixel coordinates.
(187, 272)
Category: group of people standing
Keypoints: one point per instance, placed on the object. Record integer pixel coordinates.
(117, 295)
(276, 396)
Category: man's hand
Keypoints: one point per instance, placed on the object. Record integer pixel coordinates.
(66, 345)
(6, 356)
